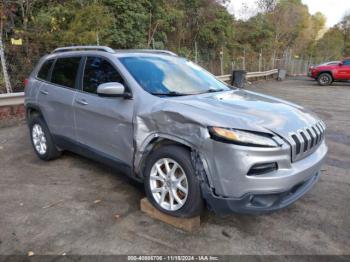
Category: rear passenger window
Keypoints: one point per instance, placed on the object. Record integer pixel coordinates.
(99, 71)
(45, 70)
(65, 71)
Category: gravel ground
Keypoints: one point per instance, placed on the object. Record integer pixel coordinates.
(75, 206)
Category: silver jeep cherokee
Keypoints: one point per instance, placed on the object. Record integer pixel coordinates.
(167, 122)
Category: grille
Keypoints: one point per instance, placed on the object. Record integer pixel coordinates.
(305, 141)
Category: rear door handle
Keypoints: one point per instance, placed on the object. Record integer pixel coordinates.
(44, 92)
(81, 102)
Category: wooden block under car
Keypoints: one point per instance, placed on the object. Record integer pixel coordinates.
(186, 224)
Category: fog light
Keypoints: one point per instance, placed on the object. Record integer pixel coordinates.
(260, 169)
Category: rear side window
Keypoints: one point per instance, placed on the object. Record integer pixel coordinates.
(65, 71)
(45, 70)
(99, 71)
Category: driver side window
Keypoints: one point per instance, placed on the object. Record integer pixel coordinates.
(99, 71)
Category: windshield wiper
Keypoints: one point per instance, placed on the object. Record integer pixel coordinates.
(211, 90)
(171, 93)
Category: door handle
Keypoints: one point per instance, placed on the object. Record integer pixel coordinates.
(44, 92)
(81, 102)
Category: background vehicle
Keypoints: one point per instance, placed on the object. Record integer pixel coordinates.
(311, 67)
(326, 74)
(167, 122)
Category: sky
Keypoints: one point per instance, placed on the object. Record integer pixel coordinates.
(334, 10)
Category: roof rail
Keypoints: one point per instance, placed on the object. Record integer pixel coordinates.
(83, 48)
(151, 51)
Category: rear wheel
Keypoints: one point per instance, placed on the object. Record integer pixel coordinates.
(171, 184)
(41, 139)
(324, 79)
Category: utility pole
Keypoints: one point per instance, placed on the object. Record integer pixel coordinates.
(3, 58)
(222, 60)
(273, 59)
(196, 52)
(260, 60)
(244, 59)
(97, 39)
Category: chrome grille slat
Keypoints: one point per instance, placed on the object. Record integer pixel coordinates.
(305, 141)
(318, 133)
(320, 128)
(302, 142)
(310, 139)
(293, 145)
(296, 144)
(322, 133)
(313, 137)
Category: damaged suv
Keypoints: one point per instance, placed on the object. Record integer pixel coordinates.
(165, 121)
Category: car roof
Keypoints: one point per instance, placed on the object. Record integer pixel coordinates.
(104, 54)
(108, 50)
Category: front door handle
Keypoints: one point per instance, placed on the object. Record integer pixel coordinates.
(82, 102)
(44, 92)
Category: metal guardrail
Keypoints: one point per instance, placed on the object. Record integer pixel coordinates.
(12, 99)
(18, 98)
(250, 75)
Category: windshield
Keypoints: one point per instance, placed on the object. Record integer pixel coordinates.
(170, 75)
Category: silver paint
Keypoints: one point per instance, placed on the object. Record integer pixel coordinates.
(126, 129)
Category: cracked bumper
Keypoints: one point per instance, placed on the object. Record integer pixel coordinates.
(230, 189)
(258, 204)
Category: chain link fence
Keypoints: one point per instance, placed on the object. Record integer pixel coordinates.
(20, 60)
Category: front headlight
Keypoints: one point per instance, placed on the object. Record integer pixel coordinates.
(240, 137)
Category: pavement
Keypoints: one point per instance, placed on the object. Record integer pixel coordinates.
(76, 206)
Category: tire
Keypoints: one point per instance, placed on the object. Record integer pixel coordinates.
(40, 136)
(179, 163)
(324, 79)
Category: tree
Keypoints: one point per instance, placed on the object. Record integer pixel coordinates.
(344, 26)
(5, 76)
(91, 24)
(266, 6)
(202, 29)
(331, 45)
(131, 20)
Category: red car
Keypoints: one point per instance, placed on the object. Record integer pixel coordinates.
(327, 73)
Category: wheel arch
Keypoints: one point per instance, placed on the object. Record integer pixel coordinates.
(327, 72)
(152, 143)
(31, 110)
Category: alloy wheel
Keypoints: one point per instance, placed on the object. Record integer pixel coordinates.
(168, 184)
(39, 139)
(324, 79)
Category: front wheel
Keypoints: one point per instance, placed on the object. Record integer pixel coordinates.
(324, 79)
(171, 184)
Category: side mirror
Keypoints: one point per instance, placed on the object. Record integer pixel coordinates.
(340, 64)
(112, 89)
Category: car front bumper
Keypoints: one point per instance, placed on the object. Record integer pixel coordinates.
(258, 204)
(230, 189)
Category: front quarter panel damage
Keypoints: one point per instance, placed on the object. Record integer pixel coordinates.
(167, 121)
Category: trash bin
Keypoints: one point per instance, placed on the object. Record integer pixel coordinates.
(282, 73)
(238, 78)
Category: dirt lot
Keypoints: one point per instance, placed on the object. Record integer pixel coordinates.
(53, 208)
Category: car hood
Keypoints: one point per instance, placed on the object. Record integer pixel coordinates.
(325, 67)
(248, 110)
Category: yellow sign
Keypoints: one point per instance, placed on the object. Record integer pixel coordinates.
(16, 41)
